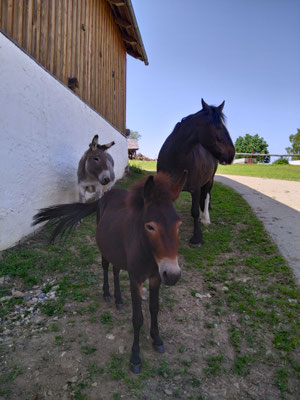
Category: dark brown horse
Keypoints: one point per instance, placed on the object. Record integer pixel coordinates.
(197, 144)
(137, 231)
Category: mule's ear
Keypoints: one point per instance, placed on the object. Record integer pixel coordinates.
(148, 187)
(106, 146)
(221, 106)
(177, 186)
(94, 144)
(204, 105)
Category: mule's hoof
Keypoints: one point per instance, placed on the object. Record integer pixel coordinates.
(135, 368)
(107, 298)
(119, 306)
(159, 348)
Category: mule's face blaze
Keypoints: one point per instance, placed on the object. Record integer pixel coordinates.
(162, 231)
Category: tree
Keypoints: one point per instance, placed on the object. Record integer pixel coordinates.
(250, 143)
(134, 135)
(295, 148)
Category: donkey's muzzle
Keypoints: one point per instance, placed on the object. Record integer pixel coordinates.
(169, 271)
(104, 178)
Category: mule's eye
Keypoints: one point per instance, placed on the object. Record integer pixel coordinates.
(150, 228)
(96, 159)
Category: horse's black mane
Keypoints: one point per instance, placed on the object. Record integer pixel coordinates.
(217, 116)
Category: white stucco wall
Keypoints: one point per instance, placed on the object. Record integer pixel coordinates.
(44, 131)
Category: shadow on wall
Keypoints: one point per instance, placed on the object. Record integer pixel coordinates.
(281, 221)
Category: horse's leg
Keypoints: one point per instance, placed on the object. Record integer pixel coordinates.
(106, 294)
(137, 321)
(205, 204)
(118, 296)
(154, 284)
(196, 239)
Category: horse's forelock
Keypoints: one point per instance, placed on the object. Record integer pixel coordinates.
(217, 115)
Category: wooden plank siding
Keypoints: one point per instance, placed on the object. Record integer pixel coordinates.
(74, 38)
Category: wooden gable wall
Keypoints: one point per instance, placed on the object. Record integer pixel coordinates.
(74, 39)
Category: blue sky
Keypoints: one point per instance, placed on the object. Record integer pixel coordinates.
(246, 52)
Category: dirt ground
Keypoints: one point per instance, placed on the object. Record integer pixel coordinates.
(81, 354)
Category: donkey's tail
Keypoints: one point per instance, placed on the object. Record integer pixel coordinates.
(65, 217)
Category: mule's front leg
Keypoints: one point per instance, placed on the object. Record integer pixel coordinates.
(196, 239)
(137, 321)
(154, 285)
(118, 296)
(106, 294)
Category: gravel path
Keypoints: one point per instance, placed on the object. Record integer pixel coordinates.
(277, 204)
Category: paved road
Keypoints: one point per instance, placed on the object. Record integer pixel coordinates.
(277, 204)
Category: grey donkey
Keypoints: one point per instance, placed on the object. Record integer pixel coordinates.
(95, 170)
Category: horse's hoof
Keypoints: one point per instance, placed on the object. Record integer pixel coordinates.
(135, 368)
(107, 298)
(119, 306)
(159, 348)
(195, 243)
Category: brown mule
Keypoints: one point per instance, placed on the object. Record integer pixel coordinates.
(137, 231)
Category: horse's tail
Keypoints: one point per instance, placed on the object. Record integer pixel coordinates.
(65, 217)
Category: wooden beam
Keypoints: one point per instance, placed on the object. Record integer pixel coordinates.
(117, 3)
(128, 39)
(123, 23)
(134, 54)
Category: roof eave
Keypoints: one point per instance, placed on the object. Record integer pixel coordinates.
(125, 18)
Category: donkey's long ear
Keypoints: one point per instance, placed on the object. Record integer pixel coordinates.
(94, 144)
(106, 146)
(204, 105)
(177, 186)
(148, 188)
(221, 106)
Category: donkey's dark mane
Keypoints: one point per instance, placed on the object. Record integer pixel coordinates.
(161, 191)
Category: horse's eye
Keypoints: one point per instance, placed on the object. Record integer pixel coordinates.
(150, 228)
(96, 159)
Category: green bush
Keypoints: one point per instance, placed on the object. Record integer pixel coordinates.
(280, 161)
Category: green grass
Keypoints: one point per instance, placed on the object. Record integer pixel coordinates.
(146, 165)
(286, 172)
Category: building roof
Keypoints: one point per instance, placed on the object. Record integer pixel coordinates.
(130, 33)
(132, 144)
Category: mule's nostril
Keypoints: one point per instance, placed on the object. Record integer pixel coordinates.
(165, 275)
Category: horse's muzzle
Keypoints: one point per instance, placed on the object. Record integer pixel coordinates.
(169, 271)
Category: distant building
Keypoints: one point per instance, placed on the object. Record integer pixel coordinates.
(133, 147)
